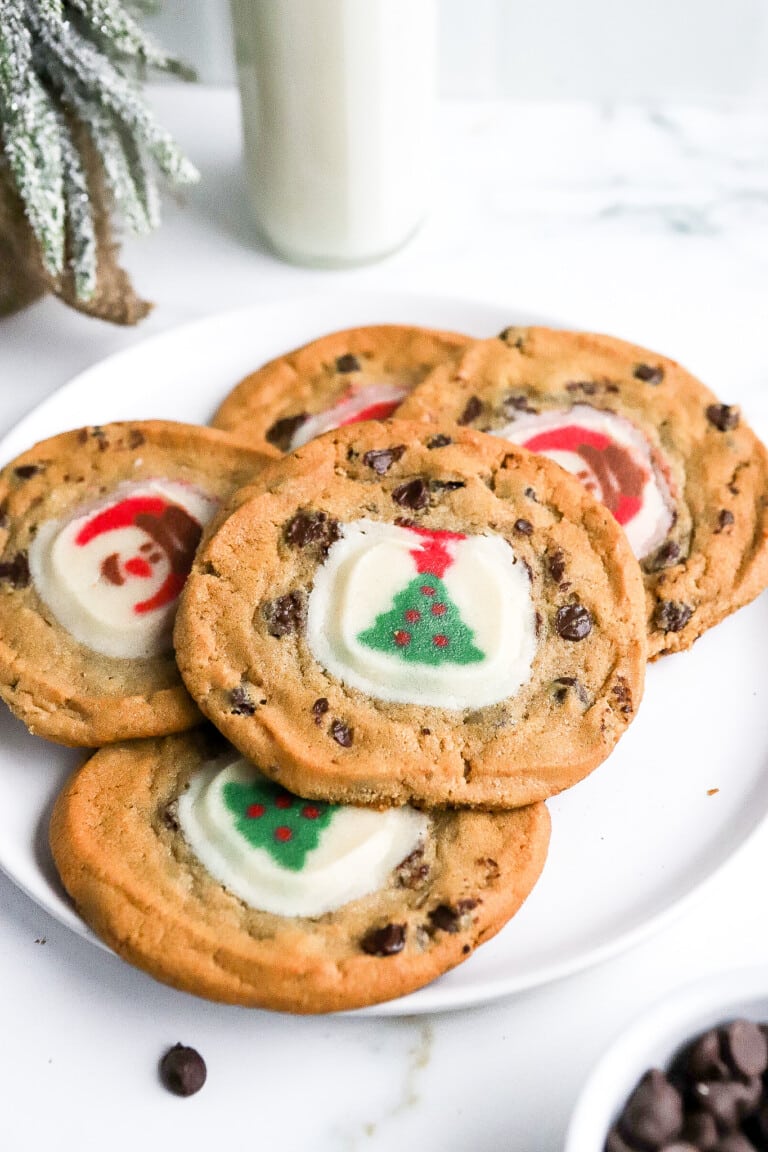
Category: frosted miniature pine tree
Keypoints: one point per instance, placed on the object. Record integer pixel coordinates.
(424, 625)
(270, 817)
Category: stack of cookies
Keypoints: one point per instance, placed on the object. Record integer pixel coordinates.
(411, 580)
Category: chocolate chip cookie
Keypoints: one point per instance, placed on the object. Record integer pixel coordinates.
(358, 374)
(681, 472)
(196, 868)
(401, 614)
(98, 528)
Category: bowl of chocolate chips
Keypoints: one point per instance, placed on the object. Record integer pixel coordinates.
(690, 1076)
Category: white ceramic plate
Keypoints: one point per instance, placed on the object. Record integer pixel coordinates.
(630, 845)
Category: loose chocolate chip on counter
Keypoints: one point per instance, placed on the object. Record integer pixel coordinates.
(413, 871)
(348, 363)
(382, 459)
(724, 417)
(573, 622)
(284, 615)
(414, 494)
(341, 733)
(182, 1070)
(650, 373)
(524, 527)
(241, 702)
(664, 557)
(472, 410)
(556, 565)
(281, 433)
(386, 941)
(653, 1115)
(671, 615)
(439, 441)
(16, 571)
(724, 520)
(311, 528)
(319, 709)
(27, 471)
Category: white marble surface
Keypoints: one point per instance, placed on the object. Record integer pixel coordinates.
(649, 224)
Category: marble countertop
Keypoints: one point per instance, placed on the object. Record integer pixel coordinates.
(648, 223)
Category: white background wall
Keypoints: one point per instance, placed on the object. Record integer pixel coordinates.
(646, 50)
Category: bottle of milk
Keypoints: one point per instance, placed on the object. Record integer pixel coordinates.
(337, 99)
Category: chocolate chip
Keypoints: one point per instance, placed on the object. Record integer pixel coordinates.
(136, 438)
(439, 441)
(623, 695)
(182, 1070)
(414, 494)
(671, 615)
(240, 701)
(615, 1142)
(26, 471)
(472, 410)
(412, 872)
(348, 363)
(733, 1142)
(382, 459)
(531, 494)
(573, 622)
(724, 417)
(319, 709)
(284, 615)
(724, 519)
(563, 684)
(170, 819)
(312, 529)
(341, 733)
(651, 374)
(447, 917)
(664, 557)
(653, 1115)
(728, 1101)
(700, 1130)
(281, 433)
(517, 402)
(386, 941)
(556, 565)
(524, 527)
(745, 1048)
(16, 571)
(588, 387)
(515, 337)
(447, 485)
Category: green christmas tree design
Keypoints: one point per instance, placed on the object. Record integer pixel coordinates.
(271, 818)
(423, 626)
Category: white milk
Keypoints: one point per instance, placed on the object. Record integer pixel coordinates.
(337, 100)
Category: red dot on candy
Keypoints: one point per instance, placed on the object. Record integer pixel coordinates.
(439, 609)
(283, 834)
(427, 590)
(402, 638)
(283, 801)
(413, 614)
(138, 566)
(254, 811)
(310, 811)
(440, 641)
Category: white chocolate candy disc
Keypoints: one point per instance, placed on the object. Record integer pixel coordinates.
(372, 402)
(112, 574)
(289, 856)
(416, 617)
(613, 460)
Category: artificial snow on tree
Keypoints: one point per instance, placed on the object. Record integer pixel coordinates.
(77, 142)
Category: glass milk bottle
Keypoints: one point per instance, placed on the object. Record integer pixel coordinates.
(337, 99)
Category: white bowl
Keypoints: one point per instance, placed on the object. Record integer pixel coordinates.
(654, 1039)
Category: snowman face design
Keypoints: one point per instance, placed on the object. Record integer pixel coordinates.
(612, 459)
(370, 402)
(112, 575)
(415, 616)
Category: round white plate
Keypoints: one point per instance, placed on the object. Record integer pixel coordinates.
(630, 845)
